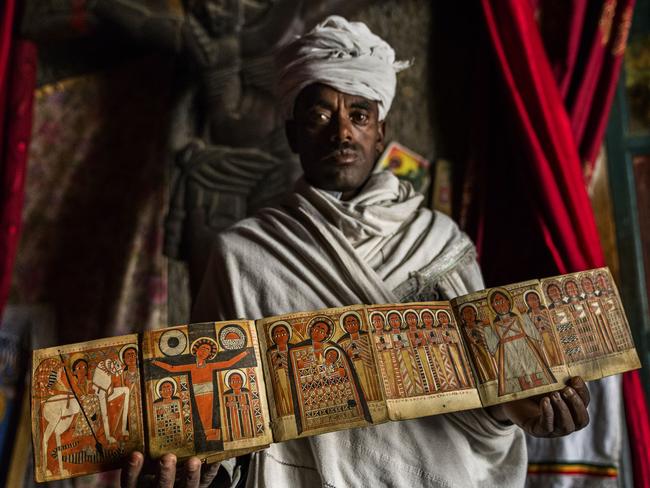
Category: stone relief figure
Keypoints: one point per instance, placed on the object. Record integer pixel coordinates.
(235, 158)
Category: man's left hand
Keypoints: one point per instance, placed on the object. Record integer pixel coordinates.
(552, 415)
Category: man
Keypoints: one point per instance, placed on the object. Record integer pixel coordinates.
(350, 236)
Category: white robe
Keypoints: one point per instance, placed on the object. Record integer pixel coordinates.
(382, 246)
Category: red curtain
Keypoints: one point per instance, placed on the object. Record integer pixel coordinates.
(17, 82)
(560, 62)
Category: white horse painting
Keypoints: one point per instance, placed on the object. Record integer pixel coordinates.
(59, 411)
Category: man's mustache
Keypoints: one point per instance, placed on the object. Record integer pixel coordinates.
(340, 149)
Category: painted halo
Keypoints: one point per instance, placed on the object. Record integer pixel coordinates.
(348, 314)
(443, 312)
(232, 338)
(408, 311)
(205, 340)
(586, 276)
(327, 349)
(172, 342)
(533, 292)
(321, 318)
(503, 292)
(227, 376)
(602, 275)
(391, 312)
(283, 323)
(550, 283)
(125, 348)
(467, 305)
(430, 312)
(166, 379)
(383, 320)
(566, 281)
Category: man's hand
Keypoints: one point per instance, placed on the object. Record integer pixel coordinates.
(190, 475)
(551, 415)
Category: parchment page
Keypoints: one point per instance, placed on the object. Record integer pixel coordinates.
(588, 314)
(86, 407)
(422, 363)
(204, 390)
(510, 338)
(322, 372)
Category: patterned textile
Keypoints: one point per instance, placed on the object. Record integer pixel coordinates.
(94, 203)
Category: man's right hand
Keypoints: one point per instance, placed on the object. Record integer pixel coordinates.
(194, 474)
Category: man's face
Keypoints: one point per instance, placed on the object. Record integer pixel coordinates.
(236, 382)
(351, 324)
(131, 358)
(532, 300)
(571, 288)
(203, 351)
(81, 369)
(554, 293)
(166, 390)
(500, 303)
(331, 356)
(280, 335)
(411, 320)
(319, 332)
(427, 318)
(337, 136)
(469, 315)
(395, 321)
(587, 285)
(443, 318)
(378, 322)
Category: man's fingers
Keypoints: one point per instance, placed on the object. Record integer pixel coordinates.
(209, 473)
(563, 419)
(546, 421)
(130, 473)
(577, 407)
(192, 472)
(579, 385)
(167, 471)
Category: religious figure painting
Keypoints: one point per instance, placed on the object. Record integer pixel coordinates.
(211, 390)
(512, 341)
(202, 383)
(419, 350)
(516, 346)
(86, 407)
(588, 315)
(322, 369)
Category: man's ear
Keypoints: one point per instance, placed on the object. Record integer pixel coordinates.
(291, 131)
(381, 134)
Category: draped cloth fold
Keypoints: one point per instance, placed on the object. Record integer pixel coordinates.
(382, 246)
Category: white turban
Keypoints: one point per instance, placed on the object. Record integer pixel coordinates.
(344, 55)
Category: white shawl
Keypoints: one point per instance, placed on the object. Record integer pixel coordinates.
(316, 251)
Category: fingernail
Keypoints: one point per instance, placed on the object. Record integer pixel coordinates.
(169, 460)
(556, 396)
(568, 393)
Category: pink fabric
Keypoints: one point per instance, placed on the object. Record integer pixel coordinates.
(564, 211)
(17, 82)
(598, 32)
(556, 140)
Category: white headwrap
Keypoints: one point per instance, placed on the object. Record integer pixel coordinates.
(344, 55)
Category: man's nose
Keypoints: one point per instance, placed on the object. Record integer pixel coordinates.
(342, 129)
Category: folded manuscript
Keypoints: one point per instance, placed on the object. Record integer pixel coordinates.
(220, 389)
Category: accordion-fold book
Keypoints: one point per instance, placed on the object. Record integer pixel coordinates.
(221, 389)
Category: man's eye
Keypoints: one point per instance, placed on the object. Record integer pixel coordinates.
(359, 117)
(319, 117)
